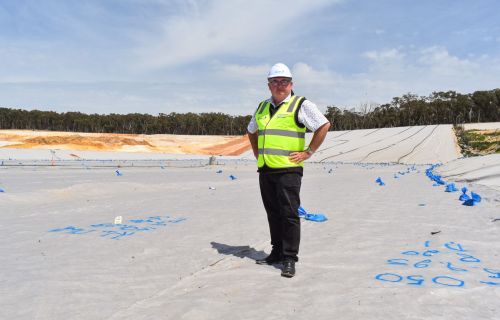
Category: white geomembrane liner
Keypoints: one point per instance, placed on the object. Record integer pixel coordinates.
(186, 245)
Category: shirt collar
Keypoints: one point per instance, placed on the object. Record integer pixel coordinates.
(286, 100)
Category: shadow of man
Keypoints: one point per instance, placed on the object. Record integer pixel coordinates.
(239, 251)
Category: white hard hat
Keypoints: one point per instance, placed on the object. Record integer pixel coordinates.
(279, 70)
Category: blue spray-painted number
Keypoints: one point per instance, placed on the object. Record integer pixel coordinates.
(495, 273)
(452, 268)
(448, 281)
(410, 253)
(429, 253)
(468, 258)
(389, 277)
(422, 264)
(418, 280)
(454, 246)
(491, 283)
(403, 262)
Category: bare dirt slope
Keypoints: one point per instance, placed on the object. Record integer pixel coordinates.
(161, 143)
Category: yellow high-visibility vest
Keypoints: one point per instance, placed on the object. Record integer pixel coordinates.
(279, 135)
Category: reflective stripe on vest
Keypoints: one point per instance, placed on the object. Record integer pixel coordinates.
(279, 135)
(285, 133)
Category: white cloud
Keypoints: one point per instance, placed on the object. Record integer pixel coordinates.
(213, 55)
(235, 71)
(424, 70)
(237, 27)
(439, 56)
(384, 55)
(394, 72)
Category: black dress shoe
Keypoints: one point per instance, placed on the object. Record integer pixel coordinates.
(288, 269)
(270, 259)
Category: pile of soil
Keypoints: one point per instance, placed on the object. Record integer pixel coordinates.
(178, 144)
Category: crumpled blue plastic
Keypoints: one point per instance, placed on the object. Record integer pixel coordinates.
(469, 203)
(302, 212)
(317, 217)
(450, 187)
(475, 197)
(380, 182)
(472, 200)
(432, 176)
(118, 173)
(2, 190)
(464, 196)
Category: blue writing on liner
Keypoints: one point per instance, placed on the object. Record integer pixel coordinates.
(384, 277)
(429, 253)
(458, 258)
(491, 283)
(410, 253)
(115, 234)
(403, 262)
(468, 258)
(496, 273)
(422, 264)
(454, 246)
(452, 268)
(418, 280)
(71, 230)
(118, 231)
(445, 281)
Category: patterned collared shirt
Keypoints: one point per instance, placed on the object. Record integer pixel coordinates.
(309, 115)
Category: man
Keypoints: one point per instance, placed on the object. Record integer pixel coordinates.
(277, 135)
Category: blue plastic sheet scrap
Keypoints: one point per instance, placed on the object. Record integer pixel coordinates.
(380, 182)
(450, 187)
(473, 200)
(464, 196)
(437, 179)
(317, 217)
(118, 173)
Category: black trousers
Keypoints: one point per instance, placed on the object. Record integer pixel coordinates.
(281, 197)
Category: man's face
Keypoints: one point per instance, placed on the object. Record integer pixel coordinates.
(280, 88)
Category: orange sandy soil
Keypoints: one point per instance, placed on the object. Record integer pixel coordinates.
(159, 143)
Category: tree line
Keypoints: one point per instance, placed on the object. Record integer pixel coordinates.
(173, 123)
(409, 110)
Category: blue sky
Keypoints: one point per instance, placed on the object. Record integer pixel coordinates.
(162, 56)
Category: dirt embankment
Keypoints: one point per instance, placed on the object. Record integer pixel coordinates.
(177, 144)
(476, 142)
